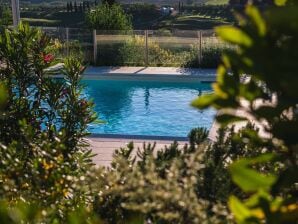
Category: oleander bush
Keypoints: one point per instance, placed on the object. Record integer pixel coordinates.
(43, 123)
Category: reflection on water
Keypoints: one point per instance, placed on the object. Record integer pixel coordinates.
(147, 108)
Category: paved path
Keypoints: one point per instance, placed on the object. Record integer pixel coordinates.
(105, 147)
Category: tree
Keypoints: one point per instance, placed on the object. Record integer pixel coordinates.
(75, 7)
(70, 7)
(81, 7)
(109, 17)
(67, 7)
(109, 2)
(84, 6)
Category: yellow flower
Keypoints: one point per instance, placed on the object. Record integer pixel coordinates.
(47, 165)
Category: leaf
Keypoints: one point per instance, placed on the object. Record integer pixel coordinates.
(234, 35)
(256, 17)
(226, 119)
(204, 101)
(98, 121)
(280, 2)
(3, 95)
(248, 179)
(240, 211)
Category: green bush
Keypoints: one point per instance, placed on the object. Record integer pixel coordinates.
(260, 79)
(108, 17)
(43, 123)
(177, 184)
(132, 53)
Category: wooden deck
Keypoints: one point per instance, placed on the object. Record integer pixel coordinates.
(105, 147)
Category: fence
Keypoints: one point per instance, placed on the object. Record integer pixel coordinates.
(142, 47)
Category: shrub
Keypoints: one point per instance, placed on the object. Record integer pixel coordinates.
(188, 184)
(266, 54)
(108, 17)
(42, 124)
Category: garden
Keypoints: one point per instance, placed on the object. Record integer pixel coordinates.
(46, 169)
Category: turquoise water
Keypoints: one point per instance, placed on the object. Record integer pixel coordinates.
(147, 108)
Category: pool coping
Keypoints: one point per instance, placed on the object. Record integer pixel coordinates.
(138, 137)
(150, 74)
(166, 74)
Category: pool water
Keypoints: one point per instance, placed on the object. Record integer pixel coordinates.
(147, 107)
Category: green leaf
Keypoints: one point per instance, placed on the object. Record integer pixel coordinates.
(256, 17)
(248, 179)
(204, 101)
(280, 2)
(226, 119)
(98, 121)
(234, 35)
(3, 95)
(240, 211)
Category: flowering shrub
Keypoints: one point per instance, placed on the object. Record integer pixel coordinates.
(42, 124)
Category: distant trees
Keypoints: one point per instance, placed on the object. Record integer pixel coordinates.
(109, 2)
(256, 2)
(109, 17)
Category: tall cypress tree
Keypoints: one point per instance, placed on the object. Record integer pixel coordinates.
(109, 2)
(80, 7)
(70, 7)
(75, 7)
(84, 6)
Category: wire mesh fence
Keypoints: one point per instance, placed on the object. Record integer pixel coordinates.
(182, 48)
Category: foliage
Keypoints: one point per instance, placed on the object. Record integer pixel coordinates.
(266, 54)
(42, 125)
(132, 53)
(108, 17)
(109, 2)
(5, 16)
(177, 184)
(21, 212)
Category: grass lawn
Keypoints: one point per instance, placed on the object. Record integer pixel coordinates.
(217, 2)
(52, 17)
(191, 22)
(41, 22)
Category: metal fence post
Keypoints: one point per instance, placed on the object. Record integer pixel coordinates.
(94, 47)
(15, 6)
(200, 55)
(146, 49)
(67, 41)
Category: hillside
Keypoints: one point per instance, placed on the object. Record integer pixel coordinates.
(159, 2)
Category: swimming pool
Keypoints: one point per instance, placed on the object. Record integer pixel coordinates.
(147, 107)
